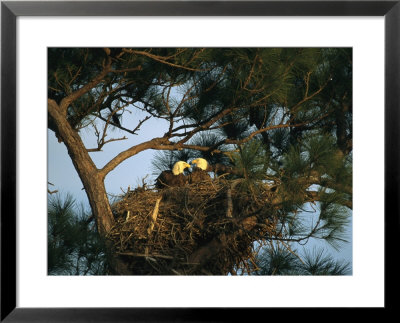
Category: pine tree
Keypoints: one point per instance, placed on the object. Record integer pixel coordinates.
(275, 122)
(74, 247)
(281, 261)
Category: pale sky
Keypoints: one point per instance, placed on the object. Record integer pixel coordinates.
(63, 175)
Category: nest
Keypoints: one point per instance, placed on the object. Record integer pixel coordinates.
(202, 228)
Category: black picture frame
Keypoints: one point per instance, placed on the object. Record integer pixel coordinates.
(10, 10)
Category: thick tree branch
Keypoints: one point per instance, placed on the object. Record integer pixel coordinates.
(154, 143)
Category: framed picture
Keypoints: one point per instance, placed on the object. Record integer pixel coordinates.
(370, 28)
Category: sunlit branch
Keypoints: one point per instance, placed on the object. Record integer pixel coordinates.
(309, 97)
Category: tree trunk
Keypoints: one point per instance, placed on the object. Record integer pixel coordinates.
(92, 179)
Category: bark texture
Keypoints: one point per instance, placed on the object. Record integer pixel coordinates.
(92, 178)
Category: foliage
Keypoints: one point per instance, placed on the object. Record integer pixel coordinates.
(280, 261)
(74, 247)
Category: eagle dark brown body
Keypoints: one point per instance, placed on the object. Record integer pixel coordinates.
(174, 178)
(168, 179)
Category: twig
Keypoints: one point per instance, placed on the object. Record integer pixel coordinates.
(292, 252)
(133, 254)
(103, 142)
(162, 59)
(154, 216)
(51, 192)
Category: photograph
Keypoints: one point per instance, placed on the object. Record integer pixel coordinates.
(199, 161)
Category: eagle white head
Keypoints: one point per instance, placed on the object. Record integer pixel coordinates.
(200, 163)
(179, 167)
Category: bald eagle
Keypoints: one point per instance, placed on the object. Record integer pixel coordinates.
(173, 178)
(199, 173)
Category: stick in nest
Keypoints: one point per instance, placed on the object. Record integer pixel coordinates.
(229, 208)
(154, 216)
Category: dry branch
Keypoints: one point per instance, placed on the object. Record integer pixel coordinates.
(154, 216)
